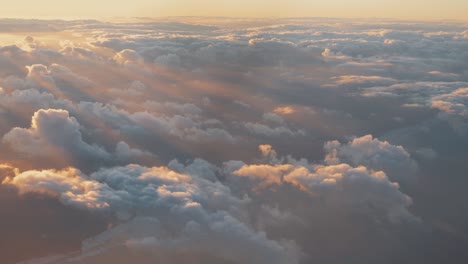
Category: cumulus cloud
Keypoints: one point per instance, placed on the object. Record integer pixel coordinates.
(375, 154)
(56, 135)
(40, 76)
(66, 184)
(202, 212)
(190, 211)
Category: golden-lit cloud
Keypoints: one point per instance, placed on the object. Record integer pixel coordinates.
(285, 110)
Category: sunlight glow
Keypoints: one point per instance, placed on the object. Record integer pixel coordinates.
(411, 9)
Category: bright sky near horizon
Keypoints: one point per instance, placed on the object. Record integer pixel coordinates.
(409, 9)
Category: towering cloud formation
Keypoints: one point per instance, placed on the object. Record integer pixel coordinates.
(54, 134)
(56, 137)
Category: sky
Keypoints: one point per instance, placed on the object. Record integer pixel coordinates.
(411, 9)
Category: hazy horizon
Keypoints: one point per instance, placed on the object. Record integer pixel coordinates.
(411, 9)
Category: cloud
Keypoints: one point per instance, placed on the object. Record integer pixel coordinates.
(269, 154)
(325, 182)
(173, 108)
(272, 117)
(375, 154)
(79, 53)
(182, 127)
(128, 56)
(55, 135)
(284, 110)
(265, 130)
(187, 209)
(40, 76)
(363, 81)
(149, 129)
(189, 127)
(202, 212)
(7, 170)
(454, 103)
(66, 184)
(453, 107)
(31, 100)
(169, 60)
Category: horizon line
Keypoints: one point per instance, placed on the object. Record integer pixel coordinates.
(107, 18)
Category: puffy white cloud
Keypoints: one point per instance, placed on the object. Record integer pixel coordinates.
(374, 154)
(56, 135)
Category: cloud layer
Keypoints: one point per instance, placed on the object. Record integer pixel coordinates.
(192, 212)
(233, 141)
